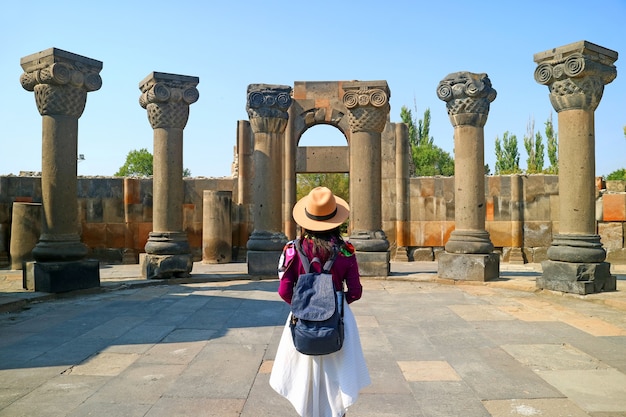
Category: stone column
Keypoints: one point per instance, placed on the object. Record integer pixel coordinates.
(469, 252)
(403, 153)
(167, 98)
(25, 232)
(368, 112)
(217, 239)
(244, 180)
(60, 81)
(576, 75)
(267, 108)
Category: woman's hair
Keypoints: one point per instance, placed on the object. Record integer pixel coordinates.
(322, 242)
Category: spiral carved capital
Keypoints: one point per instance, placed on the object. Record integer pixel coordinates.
(367, 104)
(60, 81)
(467, 96)
(576, 74)
(167, 97)
(267, 106)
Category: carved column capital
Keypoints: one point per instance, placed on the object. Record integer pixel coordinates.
(167, 97)
(367, 104)
(60, 80)
(467, 96)
(576, 74)
(267, 107)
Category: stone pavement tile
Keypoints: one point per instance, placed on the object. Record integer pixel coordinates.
(137, 348)
(68, 354)
(385, 374)
(414, 371)
(480, 312)
(446, 399)
(10, 395)
(263, 401)
(138, 384)
(97, 409)
(146, 332)
(386, 405)
(60, 395)
(600, 390)
(220, 370)
(551, 357)
(196, 407)
(553, 407)
(494, 375)
(104, 364)
(179, 353)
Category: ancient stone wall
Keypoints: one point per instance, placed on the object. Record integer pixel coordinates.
(115, 214)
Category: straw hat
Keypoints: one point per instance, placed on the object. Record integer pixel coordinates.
(320, 210)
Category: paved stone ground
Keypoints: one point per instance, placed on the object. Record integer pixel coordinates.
(205, 346)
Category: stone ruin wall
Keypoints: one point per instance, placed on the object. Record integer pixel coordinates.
(522, 214)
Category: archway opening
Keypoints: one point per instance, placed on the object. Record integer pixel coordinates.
(327, 165)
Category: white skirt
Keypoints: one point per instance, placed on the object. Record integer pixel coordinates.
(321, 386)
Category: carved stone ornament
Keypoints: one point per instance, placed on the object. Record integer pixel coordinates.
(167, 97)
(367, 104)
(60, 80)
(467, 96)
(576, 74)
(267, 107)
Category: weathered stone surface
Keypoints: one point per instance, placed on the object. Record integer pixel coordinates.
(577, 278)
(58, 277)
(468, 267)
(422, 255)
(165, 266)
(373, 264)
(263, 263)
(611, 235)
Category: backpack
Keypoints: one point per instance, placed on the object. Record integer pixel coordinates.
(316, 309)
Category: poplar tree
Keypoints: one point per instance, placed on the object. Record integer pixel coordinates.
(507, 155)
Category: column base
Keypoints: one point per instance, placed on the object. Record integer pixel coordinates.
(57, 277)
(468, 267)
(165, 266)
(373, 264)
(577, 278)
(263, 263)
(516, 256)
(402, 254)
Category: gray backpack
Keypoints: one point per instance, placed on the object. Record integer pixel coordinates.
(316, 309)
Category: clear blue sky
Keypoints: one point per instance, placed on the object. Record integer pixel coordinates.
(411, 44)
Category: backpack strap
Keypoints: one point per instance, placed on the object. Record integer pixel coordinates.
(307, 264)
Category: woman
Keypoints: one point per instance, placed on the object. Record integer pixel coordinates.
(326, 385)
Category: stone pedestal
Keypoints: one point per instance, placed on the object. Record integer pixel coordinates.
(60, 81)
(577, 278)
(166, 98)
(576, 75)
(58, 277)
(373, 264)
(468, 267)
(263, 264)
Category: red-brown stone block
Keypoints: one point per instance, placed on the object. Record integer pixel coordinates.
(614, 207)
(94, 235)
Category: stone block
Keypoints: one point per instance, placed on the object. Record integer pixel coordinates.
(143, 233)
(554, 208)
(616, 186)
(489, 209)
(503, 233)
(112, 210)
(616, 256)
(537, 209)
(115, 235)
(468, 267)
(94, 234)
(614, 207)
(58, 277)
(165, 266)
(537, 233)
(422, 255)
(611, 235)
(373, 264)
(576, 278)
(263, 264)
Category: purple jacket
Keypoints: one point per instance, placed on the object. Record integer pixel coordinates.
(345, 270)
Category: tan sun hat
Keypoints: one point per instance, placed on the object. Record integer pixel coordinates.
(320, 210)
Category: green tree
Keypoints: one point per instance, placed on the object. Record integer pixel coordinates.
(534, 148)
(553, 147)
(507, 155)
(338, 183)
(619, 174)
(427, 159)
(139, 164)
